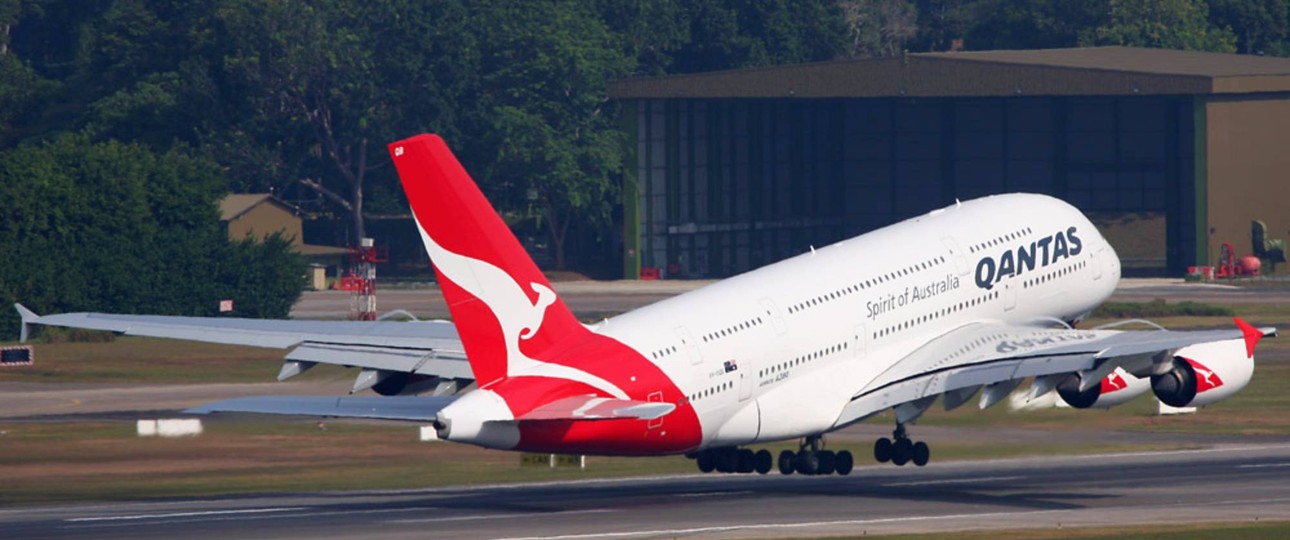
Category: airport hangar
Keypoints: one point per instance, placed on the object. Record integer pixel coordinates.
(1171, 153)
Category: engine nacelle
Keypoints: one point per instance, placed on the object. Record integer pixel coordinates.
(1204, 374)
(1115, 389)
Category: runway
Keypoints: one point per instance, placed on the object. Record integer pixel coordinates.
(1231, 483)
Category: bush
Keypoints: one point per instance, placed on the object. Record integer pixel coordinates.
(114, 227)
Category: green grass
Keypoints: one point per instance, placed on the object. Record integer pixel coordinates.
(1159, 308)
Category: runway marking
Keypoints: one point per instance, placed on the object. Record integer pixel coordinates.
(729, 528)
(499, 516)
(248, 517)
(186, 514)
(1263, 466)
(713, 493)
(955, 481)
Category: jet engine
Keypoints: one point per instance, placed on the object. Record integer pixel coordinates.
(1115, 389)
(1203, 374)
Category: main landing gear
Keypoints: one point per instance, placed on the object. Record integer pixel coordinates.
(899, 450)
(734, 460)
(809, 460)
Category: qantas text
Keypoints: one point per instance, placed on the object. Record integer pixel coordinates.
(1026, 258)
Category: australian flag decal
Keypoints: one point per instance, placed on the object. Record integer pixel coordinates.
(731, 366)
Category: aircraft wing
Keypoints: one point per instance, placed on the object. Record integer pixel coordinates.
(997, 357)
(407, 408)
(380, 348)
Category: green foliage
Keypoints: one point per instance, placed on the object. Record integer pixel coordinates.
(115, 227)
(1169, 24)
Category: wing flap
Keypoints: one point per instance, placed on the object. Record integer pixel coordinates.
(406, 408)
(447, 365)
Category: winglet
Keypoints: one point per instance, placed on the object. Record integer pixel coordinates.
(28, 318)
(1252, 336)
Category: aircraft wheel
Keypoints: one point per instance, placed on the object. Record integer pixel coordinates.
(763, 462)
(827, 461)
(843, 462)
(707, 462)
(882, 450)
(727, 460)
(786, 462)
(807, 463)
(745, 461)
(920, 453)
(901, 451)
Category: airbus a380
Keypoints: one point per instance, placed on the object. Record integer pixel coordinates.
(970, 299)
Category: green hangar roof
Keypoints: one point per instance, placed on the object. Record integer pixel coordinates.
(1046, 72)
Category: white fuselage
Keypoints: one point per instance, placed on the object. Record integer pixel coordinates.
(778, 352)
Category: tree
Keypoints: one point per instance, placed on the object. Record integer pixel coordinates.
(1025, 24)
(319, 87)
(879, 27)
(1170, 24)
(548, 129)
(1258, 24)
(726, 34)
(115, 227)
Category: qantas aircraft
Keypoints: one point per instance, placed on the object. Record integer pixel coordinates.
(970, 299)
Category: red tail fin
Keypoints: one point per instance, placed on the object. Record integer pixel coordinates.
(504, 308)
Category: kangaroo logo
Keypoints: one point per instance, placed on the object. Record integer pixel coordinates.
(520, 318)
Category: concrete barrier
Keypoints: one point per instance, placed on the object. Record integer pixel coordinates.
(428, 434)
(169, 427)
(147, 428)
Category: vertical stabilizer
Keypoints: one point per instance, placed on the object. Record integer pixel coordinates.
(504, 308)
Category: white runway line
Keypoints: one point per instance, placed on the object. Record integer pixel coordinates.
(1263, 466)
(955, 481)
(712, 493)
(186, 514)
(499, 516)
(729, 528)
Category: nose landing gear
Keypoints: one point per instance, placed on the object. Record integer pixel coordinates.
(900, 450)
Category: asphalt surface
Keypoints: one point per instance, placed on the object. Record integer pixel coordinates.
(1233, 483)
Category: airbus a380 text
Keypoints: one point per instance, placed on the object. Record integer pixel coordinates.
(974, 298)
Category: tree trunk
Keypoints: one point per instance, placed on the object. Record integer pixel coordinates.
(559, 230)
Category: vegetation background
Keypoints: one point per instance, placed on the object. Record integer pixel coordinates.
(123, 122)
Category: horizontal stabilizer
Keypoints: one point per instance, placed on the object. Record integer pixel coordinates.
(598, 408)
(409, 408)
(29, 318)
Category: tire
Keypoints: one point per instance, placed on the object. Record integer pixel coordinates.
(901, 451)
(807, 463)
(882, 450)
(744, 463)
(786, 462)
(826, 461)
(763, 462)
(920, 453)
(707, 462)
(843, 463)
(727, 460)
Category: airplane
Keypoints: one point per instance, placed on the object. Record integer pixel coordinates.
(974, 298)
